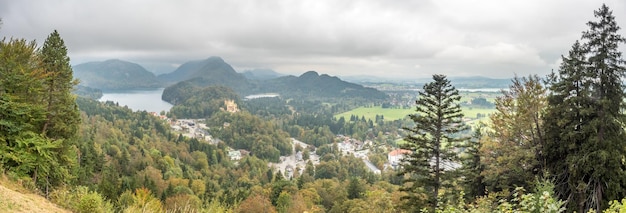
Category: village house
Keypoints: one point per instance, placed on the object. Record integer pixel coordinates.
(395, 157)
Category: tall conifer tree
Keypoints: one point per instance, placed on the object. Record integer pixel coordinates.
(585, 137)
(433, 142)
(62, 114)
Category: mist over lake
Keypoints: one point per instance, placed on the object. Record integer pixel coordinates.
(137, 100)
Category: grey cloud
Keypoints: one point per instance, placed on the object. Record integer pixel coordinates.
(385, 38)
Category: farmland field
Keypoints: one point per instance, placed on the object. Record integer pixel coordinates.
(395, 114)
(371, 112)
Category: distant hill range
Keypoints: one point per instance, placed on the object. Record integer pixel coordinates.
(115, 74)
(479, 82)
(261, 74)
(215, 72)
(473, 82)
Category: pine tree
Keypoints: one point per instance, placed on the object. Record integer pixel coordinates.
(355, 188)
(433, 142)
(472, 167)
(62, 114)
(585, 137)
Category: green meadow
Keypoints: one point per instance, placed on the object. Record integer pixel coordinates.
(371, 112)
(395, 114)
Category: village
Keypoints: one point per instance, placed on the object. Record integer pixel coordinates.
(197, 128)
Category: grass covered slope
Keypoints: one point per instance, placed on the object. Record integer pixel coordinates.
(15, 198)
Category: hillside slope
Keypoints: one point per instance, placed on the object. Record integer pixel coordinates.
(13, 198)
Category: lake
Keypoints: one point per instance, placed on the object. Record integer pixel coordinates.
(137, 100)
(264, 95)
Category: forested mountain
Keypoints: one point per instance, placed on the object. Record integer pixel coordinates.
(311, 84)
(115, 74)
(214, 69)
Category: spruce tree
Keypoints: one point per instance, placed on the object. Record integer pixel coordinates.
(472, 167)
(62, 114)
(585, 139)
(434, 143)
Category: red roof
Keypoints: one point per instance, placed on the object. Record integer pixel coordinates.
(399, 152)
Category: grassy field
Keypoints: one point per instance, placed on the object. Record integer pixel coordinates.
(395, 114)
(490, 96)
(371, 112)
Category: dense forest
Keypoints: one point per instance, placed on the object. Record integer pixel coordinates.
(554, 144)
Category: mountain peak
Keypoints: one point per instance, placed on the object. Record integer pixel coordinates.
(309, 74)
(214, 59)
(198, 69)
(114, 60)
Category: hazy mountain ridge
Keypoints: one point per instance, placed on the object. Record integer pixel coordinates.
(261, 74)
(469, 82)
(480, 82)
(115, 74)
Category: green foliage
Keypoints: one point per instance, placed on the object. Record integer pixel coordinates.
(585, 138)
(143, 201)
(541, 200)
(80, 199)
(197, 102)
(616, 206)
(62, 115)
(39, 118)
(245, 131)
(433, 142)
(512, 151)
(472, 167)
(356, 189)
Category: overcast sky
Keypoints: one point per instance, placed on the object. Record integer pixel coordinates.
(408, 39)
